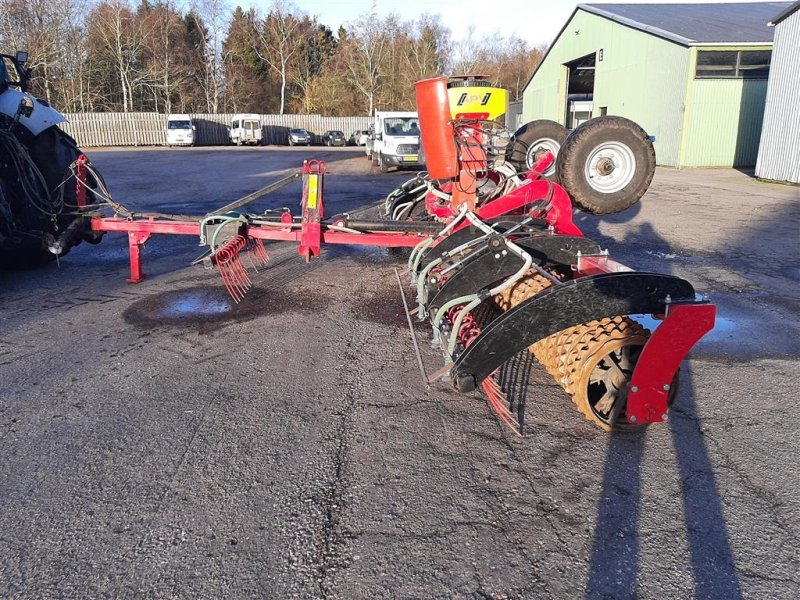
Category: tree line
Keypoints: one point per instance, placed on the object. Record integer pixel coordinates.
(156, 55)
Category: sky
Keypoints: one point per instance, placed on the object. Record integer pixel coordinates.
(535, 21)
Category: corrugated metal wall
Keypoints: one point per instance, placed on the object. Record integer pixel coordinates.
(723, 120)
(147, 129)
(640, 77)
(779, 153)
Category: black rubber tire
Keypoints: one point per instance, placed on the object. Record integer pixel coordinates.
(528, 134)
(382, 164)
(53, 151)
(577, 150)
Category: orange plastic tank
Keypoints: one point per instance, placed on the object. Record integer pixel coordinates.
(436, 128)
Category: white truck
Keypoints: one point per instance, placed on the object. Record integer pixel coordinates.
(246, 129)
(180, 130)
(394, 140)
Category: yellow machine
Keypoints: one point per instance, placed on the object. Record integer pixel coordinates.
(474, 97)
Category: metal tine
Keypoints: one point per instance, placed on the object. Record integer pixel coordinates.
(226, 279)
(235, 262)
(233, 289)
(229, 275)
(244, 278)
(259, 251)
(251, 256)
(496, 404)
(234, 268)
(498, 401)
(231, 269)
(236, 289)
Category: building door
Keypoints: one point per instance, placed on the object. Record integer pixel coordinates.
(580, 90)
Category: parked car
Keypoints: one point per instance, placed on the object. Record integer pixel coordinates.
(299, 137)
(334, 138)
(358, 137)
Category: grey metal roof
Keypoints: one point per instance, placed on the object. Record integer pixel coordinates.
(786, 13)
(689, 24)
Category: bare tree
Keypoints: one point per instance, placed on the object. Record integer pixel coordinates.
(215, 16)
(367, 46)
(122, 39)
(47, 30)
(279, 42)
(429, 51)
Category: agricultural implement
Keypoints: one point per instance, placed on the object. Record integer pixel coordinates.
(498, 269)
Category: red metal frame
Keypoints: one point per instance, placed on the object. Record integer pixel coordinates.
(653, 376)
(312, 206)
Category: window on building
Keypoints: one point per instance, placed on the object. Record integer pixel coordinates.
(733, 64)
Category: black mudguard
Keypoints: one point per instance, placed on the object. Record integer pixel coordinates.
(492, 262)
(554, 250)
(560, 307)
(546, 249)
(462, 236)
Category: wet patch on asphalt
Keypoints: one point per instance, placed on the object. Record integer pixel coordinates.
(383, 306)
(747, 326)
(212, 305)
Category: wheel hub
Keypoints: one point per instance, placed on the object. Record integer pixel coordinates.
(610, 167)
(539, 147)
(605, 166)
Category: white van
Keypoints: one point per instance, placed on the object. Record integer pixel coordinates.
(180, 130)
(246, 129)
(394, 140)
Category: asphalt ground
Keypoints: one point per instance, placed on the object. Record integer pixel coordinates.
(159, 442)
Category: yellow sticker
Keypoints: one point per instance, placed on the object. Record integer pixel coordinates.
(312, 192)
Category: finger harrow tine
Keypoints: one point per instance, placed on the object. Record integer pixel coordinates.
(258, 253)
(497, 402)
(251, 258)
(231, 269)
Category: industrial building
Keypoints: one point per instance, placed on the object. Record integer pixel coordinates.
(779, 152)
(694, 76)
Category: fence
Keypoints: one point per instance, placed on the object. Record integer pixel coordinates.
(147, 129)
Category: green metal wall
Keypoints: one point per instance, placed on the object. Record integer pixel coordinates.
(723, 120)
(641, 77)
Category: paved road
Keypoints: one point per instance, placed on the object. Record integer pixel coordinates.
(158, 442)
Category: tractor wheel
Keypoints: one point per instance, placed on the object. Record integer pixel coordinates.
(532, 140)
(52, 151)
(606, 165)
(382, 164)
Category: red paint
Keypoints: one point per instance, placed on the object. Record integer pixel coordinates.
(80, 181)
(661, 356)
